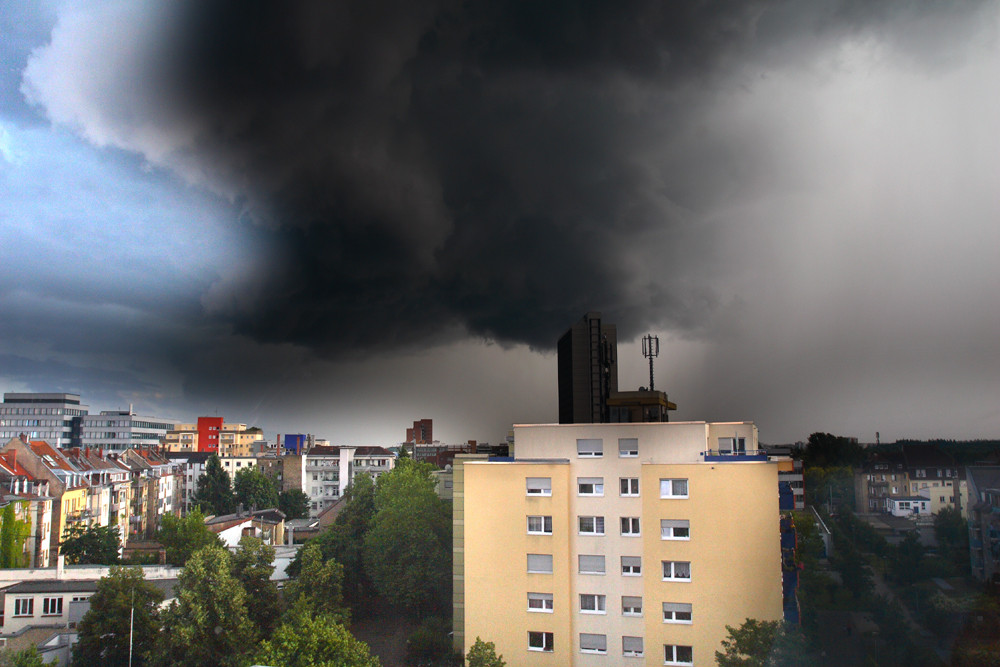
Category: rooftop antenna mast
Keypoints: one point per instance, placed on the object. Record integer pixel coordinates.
(650, 350)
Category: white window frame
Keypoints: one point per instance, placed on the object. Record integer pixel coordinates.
(589, 448)
(52, 606)
(675, 529)
(540, 603)
(540, 641)
(628, 487)
(597, 601)
(672, 609)
(537, 557)
(590, 525)
(634, 568)
(24, 607)
(597, 644)
(590, 486)
(628, 448)
(632, 652)
(670, 656)
(670, 568)
(543, 524)
(631, 605)
(580, 562)
(630, 526)
(667, 489)
(538, 486)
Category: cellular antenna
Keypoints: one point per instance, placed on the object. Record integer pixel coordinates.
(650, 350)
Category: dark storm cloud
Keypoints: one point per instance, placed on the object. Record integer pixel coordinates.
(480, 166)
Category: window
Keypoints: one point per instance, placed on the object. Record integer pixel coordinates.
(631, 605)
(732, 445)
(590, 564)
(632, 647)
(592, 448)
(590, 486)
(539, 525)
(591, 525)
(593, 643)
(540, 641)
(676, 570)
(540, 563)
(52, 606)
(539, 486)
(592, 604)
(24, 606)
(676, 612)
(675, 529)
(673, 488)
(630, 526)
(540, 602)
(628, 447)
(629, 486)
(677, 655)
(631, 566)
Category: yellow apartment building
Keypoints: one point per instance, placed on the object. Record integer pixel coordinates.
(617, 544)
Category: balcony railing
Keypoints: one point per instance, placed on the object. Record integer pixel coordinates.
(726, 455)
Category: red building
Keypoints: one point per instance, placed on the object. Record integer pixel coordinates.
(208, 434)
(422, 432)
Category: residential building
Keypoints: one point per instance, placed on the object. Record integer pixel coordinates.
(883, 476)
(233, 464)
(117, 430)
(790, 473)
(372, 461)
(266, 524)
(984, 522)
(181, 439)
(55, 418)
(236, 440)
(603, 543)
(190, 466)
(588, 370)
(208, 434)
(934, 475)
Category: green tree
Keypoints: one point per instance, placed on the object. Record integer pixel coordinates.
(318, 588)
(314, 641)
(832, 451)
(952, 533)
(408, 549)
(253, 563)
(91, 545)
(13, 533)
(182, 536)
(430, 644)
(344, 541)
(215, 492)
(254, 490)
(24, 658)
(104, 630)
(483, 654)
(294, 503)
(208, 624)
(907, 559)
(762, 644)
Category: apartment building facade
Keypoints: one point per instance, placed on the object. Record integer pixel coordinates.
(608, 544)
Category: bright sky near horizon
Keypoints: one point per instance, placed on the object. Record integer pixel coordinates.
(339, 218)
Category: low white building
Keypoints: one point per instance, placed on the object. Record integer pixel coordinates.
(910, 506)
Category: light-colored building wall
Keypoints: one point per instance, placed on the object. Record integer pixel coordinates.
(730, 541)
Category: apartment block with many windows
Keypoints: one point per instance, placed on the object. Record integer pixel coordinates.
(610, 544)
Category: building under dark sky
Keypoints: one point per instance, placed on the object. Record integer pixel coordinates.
(588, 370)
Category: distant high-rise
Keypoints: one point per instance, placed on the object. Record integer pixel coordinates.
(422, 432)
(588, 370)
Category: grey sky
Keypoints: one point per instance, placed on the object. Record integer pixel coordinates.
(340, 221)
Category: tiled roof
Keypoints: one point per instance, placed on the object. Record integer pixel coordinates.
(372, 451)
(43, 449)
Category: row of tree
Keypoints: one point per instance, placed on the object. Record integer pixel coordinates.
(251, 489)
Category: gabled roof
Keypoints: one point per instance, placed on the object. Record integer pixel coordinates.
(51, 456)
(8, 461)
(372, 451)
(324, 450)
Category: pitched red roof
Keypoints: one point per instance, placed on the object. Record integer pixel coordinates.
(43, 449)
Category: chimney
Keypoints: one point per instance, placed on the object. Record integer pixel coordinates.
(60, 564)
(86, 452)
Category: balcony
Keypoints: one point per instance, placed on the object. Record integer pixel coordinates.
(730, 456)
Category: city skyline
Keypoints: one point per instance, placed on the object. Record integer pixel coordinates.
(350, 220)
